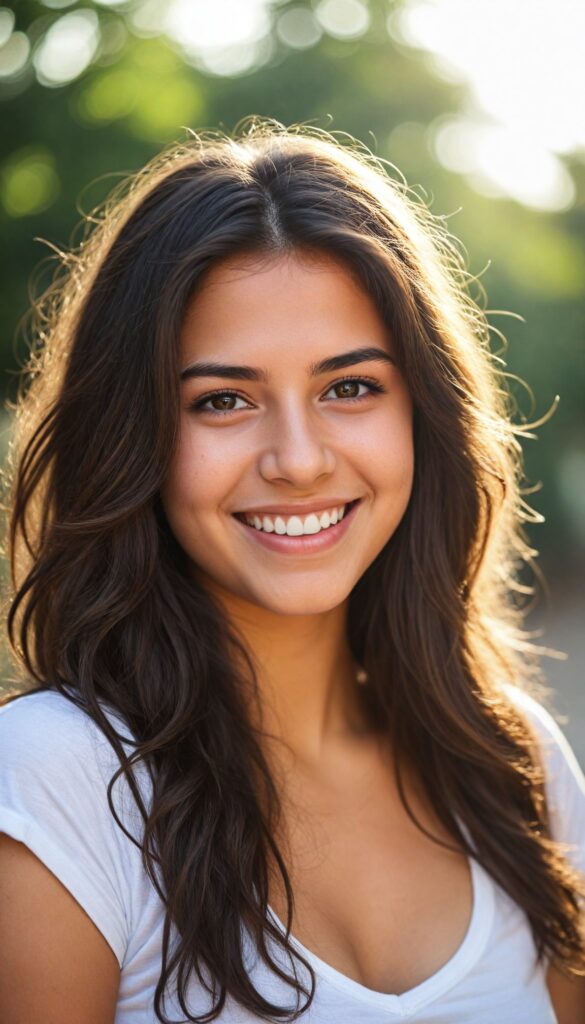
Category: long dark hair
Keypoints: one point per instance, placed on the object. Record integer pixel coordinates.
(104, 608)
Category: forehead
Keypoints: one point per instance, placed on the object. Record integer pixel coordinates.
(276, 304)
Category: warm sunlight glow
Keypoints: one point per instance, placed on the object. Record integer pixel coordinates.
(223, 36)
(523, 63)
(500, 161)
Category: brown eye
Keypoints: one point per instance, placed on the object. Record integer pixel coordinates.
(218, 402)
(221, 403)
(347, 388)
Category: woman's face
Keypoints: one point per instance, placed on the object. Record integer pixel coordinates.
(285, 439)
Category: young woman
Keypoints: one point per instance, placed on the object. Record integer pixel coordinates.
(278, 761)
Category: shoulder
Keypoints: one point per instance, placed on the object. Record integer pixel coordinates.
(564, 778)
(52, 748)
(550, 738)
(44, 715)
(46, 734)
(37, 723)
(55, 766)
(44, 741)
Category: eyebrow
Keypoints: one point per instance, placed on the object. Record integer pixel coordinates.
(330, 365)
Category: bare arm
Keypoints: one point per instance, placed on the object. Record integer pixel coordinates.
(56, 966)
(567, 996)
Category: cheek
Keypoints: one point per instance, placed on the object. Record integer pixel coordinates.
(201, 478)
(392, 480)
(384, 450)
(182, 494)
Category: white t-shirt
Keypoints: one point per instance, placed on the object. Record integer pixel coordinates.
(54, 768)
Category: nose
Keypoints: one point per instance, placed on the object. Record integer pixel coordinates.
(296, 451)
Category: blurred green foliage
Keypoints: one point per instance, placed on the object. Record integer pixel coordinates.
(64, 147)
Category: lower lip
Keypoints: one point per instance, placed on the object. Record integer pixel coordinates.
(309, 544)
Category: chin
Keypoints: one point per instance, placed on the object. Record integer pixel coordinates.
(301, 601)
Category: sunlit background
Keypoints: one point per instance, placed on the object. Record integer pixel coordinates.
(481, 105)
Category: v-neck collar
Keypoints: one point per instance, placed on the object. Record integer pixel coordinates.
(453, 971)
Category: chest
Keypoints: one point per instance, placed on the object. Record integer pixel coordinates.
(375, 898)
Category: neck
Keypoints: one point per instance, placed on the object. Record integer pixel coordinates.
(310, 700)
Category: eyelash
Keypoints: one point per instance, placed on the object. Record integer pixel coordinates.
(199, 403)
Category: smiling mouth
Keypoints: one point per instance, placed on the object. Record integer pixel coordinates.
(348, 508)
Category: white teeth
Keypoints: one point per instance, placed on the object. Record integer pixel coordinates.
(295, 526)
(312, 524)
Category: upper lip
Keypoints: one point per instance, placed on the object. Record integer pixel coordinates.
(298, 509)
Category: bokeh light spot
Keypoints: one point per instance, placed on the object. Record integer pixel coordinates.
(501, 162)
(14, 54)
(114, 38)
(298, 28)
(29, 181)
(6, 24)
(148, 19)
(523, 65)
(68, 48)
(225, 38)
(407, 143)
(155, 56)
(108, 97)
(344, 19)
(58, 5)
(164, 107)
(199, 26)
(236, 60)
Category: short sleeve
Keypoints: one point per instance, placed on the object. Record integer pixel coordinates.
(53, 798)
(564, 779)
